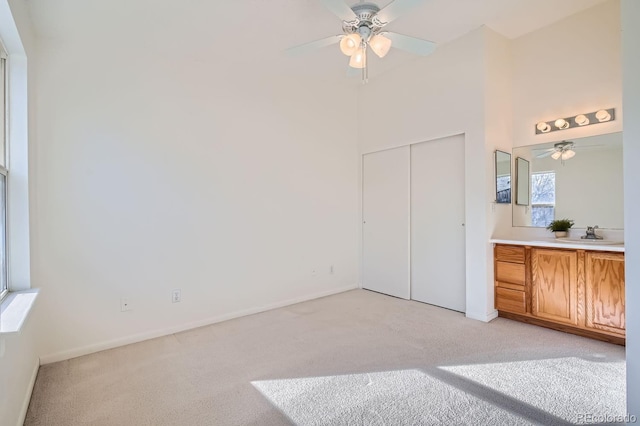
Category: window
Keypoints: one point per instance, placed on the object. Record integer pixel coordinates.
(543, 198)
(4, 288)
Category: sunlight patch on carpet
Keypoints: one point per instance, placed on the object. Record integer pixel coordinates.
(569, 388)
(401, 397)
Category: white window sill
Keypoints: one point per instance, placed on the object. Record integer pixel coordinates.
(15, 309)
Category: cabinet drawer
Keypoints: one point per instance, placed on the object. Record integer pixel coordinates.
(514, 254)
(510, 272)
(510, 300)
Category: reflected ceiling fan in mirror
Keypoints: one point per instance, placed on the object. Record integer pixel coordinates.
(363, 28)
(561, 151)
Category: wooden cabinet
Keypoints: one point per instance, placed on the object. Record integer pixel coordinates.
(510, 273)
(555, 285)
(604, 276)
(577, 291)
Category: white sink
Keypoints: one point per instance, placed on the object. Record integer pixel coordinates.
(593, 242)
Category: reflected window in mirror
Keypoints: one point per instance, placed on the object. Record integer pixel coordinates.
(543, 198)
(503, 177)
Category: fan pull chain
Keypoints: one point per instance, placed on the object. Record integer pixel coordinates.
(365, 68)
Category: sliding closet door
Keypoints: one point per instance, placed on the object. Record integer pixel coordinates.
(437, 223)
(385, 227)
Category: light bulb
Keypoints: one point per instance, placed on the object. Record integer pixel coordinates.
(543, 127)
(358, 59)
(556, 155)
(380, 45)
(349, 44)
(603, 115)
(582, 120)
(561, 123)
(568, 154)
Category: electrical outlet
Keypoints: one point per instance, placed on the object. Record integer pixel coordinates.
(331, 269)
(125, 305)
(176, 295)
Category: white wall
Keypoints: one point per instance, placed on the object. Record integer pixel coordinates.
(631, 90)
(18, 352)
(157, 173)
(18, 368)
(498, 116)
(568, 68)
(554, 77)
(442, 95)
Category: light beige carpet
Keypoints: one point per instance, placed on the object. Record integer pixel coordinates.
(357, 358)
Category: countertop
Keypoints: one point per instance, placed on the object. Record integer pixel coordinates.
(552, 242)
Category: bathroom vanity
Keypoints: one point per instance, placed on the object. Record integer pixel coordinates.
(571, 287)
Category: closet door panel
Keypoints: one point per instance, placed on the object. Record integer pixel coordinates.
(438, 272)
(385, 227)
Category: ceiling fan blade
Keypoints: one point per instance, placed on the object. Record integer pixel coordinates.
(588, 147)
(411, 44)
(340, 9)
(546, 154)
(308, 47)
(395, 9)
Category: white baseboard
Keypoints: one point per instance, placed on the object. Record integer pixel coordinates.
(110, 344)
(27, 397)
(492, 315)
(483, 317)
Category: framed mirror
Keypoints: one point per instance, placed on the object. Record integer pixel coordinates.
(522, 182)
(503, 177)
(580, 179)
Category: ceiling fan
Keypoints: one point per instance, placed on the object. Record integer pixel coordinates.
(562, 150)
(363, 27)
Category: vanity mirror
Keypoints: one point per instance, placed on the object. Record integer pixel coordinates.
(580, 179)
(503, 177)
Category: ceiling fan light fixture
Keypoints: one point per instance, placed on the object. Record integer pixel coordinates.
(556, 155)
(569, 153)
(350, 44)
(380, 45)
(358, 59)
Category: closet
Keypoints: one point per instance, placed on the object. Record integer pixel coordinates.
(413, 231)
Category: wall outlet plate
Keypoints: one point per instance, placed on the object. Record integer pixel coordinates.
(176, 295)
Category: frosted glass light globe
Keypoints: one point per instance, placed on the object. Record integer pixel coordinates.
(350, 44)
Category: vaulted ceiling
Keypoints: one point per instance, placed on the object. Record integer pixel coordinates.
(253, 34)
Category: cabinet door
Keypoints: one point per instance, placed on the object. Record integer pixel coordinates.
(605, 298)
(554, 285)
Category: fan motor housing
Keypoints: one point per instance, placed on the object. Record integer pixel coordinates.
(365, 12)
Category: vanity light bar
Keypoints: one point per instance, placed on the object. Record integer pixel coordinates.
(600, 116)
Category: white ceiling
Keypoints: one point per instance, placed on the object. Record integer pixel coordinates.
(254, 33)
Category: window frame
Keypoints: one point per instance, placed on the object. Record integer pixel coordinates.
(4, 271)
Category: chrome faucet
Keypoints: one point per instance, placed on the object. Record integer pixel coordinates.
(591, 233)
